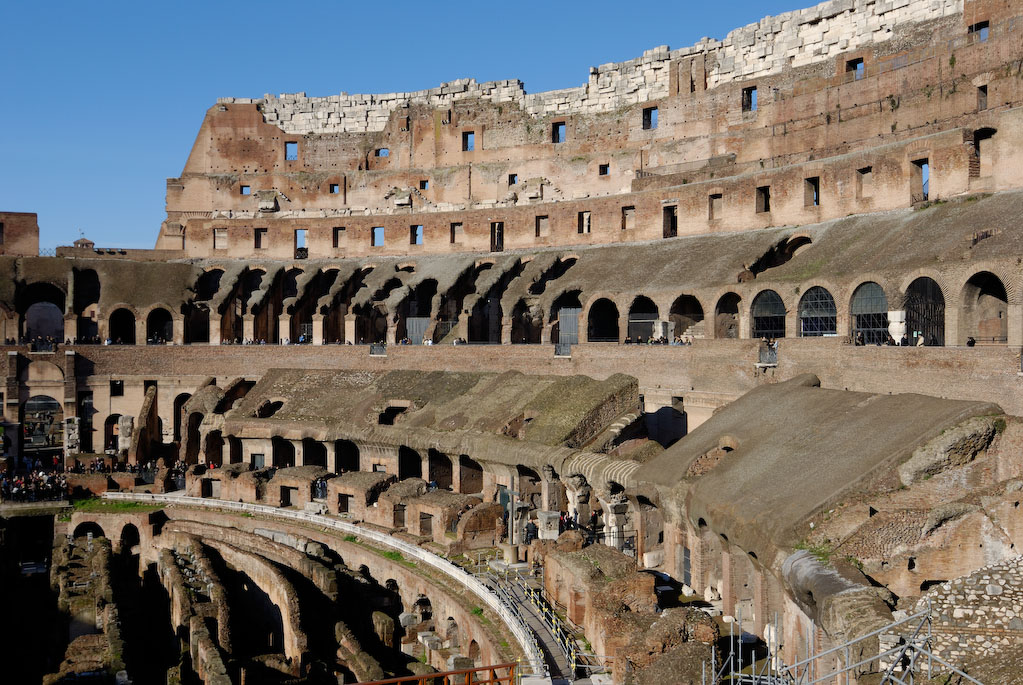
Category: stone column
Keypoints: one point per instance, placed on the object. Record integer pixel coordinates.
(897, 324)
(328, 445)
(140, 331)
(350, 329)
(215, 329)
(299, 452)
(317, 329)
(545, 333)
(178, 330)
(248, 327)
(283, 329)
(506, 330)
(727, 594)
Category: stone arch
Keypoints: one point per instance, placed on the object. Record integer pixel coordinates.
(314, 453)
(602, 321)
(925, 311)
(42, 372)
(346, 454)
(643, 317)
(818, 315)
(984, 310)
(726, 316)
(111, 431)
(283, 452)
(868, 309)
(159, 326)
(470, 475)
(473, 652)
(121, 326)
(85, 527)
(42, 426)
(686, 314)
(86, 288)
(440, 469)
(767, 312)
(410, 463)
(526, 324)
(529, 486)
(129, 537)
(46, 319)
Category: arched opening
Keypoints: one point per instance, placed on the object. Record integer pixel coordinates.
(983, 144)
(197, 325)
(214, 448)
(112, 431)
(726, 316)
(643, 315)
(122, 327)
(423, 607)
(44, 321)
(410, 463)
(602, 321)
(473, 652)
(768, 314)
(414, 313)
(565, 312)
(42, 425)
(529, 487)
(925, 312)
(869, 309)
(984, 315)
(268, 409)
(129, 538)
(440, 469)
(234, 446)
(179, 403)
(314, 453)
(527, 323)
(346, 453)
(192, 437)
(818, 315)
(159, 327)
(470, 476)
(686, 316)
(208, 284)
(83, 529)
(86, 296)
(283, 452)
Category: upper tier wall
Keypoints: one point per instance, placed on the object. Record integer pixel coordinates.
(792, 39)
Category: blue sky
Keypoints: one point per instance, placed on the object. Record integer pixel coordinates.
(103, 100)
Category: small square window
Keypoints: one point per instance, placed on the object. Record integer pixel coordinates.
(335, 188)
(855, 67)
(513, 179)
(117, 388)
(714, 202)
(981, 97)
(246, 190)
(339, 234)
(812, 192)
(219, 238)
(749, 99)
(649, 118)
(604, 170)
(301, 234)
(291, 151)
(259, 238)
(978, 32)
(628, 218)
(669, 216)
(558, 132)
(377, 236)
(764, 199)
(415, 235)
(424, 185)
(542, 226)
(468, 141)
(456, 233)
(864, 181)
(382, 152)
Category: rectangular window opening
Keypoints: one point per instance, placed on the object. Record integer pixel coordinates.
(604, 169)
(291, 150)
(219, 238)
(513, 179)
(468, 141)
(116, 388)
(764, 199)
(456, 232)
(628, 218)
(649, 118)
(714, 202)
(855, 67)
(749, 99)
(812, 192)
(584, 222)
(259, 241)
(558, 132)
(981, 97)
(339, 234)
(300, 237)
(497, 236)
(864, 181)
(246, 190)
(424, 185)
(382, 152)
(376, 238)
(1, 233)
(542, 227)
(335, 188)
(415, 234)
(669, 216)
(979, 31)
(920, 190)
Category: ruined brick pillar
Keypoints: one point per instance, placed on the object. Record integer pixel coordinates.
(283, 329)
(317, 329)
(350, 329)
(696, 571)
(248, 327)
(299, 452)
(328, 445)
(545, 333)
(727, 593)
(392, 333)
(760, 618)
(178, 330)
(214, 329)
(506, 331)
(140, 331)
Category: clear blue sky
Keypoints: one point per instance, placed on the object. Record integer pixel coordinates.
(102, 100)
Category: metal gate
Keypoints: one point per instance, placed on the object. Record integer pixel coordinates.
(568, 325)
(415, 328)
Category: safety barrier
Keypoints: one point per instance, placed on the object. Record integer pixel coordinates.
(508, 614)
(502, 674)
(554, 622)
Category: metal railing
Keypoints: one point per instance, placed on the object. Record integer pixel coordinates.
(508, 614)
(557, 626)
(483, 675)
(562, 350)
(377, 350)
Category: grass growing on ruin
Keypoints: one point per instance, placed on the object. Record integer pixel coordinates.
(110, 506)
(821, 551)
